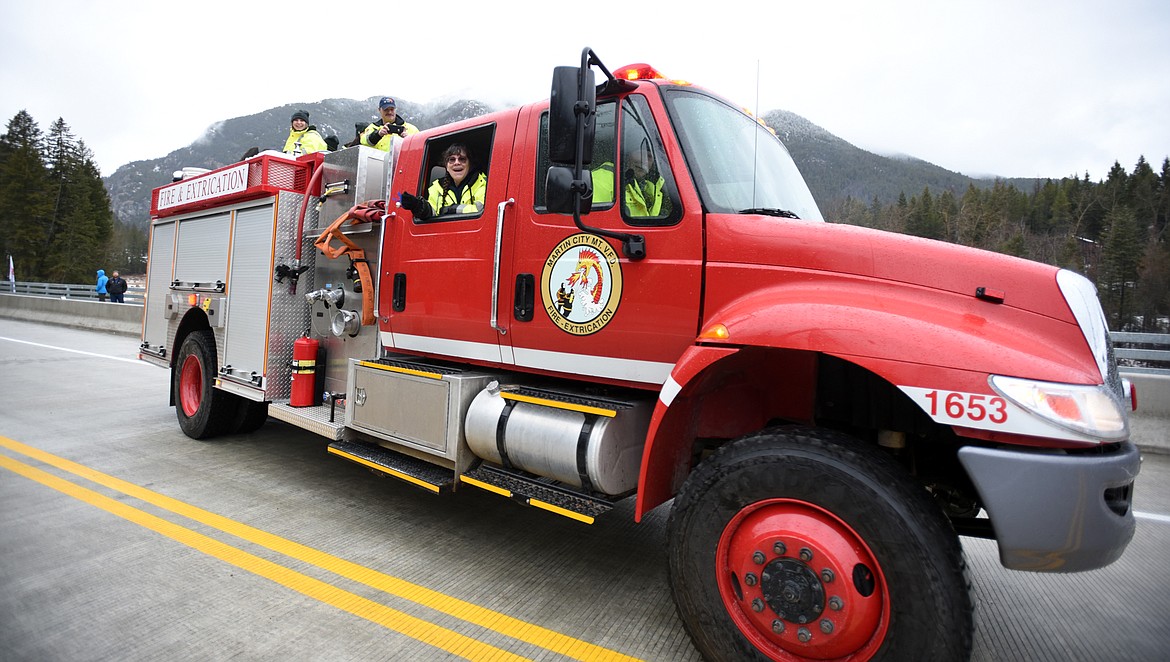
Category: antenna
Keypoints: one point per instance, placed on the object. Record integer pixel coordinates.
(756, 136)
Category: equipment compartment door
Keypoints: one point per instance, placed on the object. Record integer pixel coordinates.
(158, 287)
(250, 289)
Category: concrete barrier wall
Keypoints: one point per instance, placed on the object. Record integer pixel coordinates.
(1153, 392)
(123, 318)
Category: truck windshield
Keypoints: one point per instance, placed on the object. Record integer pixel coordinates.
(739, 167)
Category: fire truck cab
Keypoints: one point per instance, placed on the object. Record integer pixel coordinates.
(645, 302)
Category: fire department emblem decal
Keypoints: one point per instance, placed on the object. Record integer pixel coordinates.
(581, 284)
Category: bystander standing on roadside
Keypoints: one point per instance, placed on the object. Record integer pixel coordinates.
(116, 287)
(101, 284)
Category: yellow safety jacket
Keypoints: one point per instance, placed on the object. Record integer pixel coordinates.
(383, 143)
(309, 141)
(642, 198)
(465, 199)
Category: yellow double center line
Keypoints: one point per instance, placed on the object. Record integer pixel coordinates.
(393, 619)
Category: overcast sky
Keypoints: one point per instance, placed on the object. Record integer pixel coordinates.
(1016, 88)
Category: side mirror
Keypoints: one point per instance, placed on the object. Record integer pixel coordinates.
(561, 190)
(573, 93)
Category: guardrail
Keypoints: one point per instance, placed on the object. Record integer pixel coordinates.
(1145, 353)
(66, 291)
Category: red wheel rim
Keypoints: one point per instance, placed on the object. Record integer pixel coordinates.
(801, 584)
(190, 385)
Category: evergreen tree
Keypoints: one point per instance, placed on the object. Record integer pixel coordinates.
(1121, 255)
(1060, 211)
(923, 220)
(128, 246)
(947, 210)
(1143, 195)
(1152, 294)
(1163, 201)
(87, 219)
(24, 205)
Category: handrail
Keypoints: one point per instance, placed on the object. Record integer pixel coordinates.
(495, 320)
(1151, 348)
(134, 295)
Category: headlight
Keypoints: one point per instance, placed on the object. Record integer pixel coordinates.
(1090, 410)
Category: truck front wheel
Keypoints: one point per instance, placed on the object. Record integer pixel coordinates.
(806, 544)
(203, 410)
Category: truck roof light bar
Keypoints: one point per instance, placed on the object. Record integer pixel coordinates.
(639, 71)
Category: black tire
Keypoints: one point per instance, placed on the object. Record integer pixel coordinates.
(203, 411)
(757, 525)
(250, 415)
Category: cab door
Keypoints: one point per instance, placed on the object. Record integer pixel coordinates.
(436, 289)
(579, 306)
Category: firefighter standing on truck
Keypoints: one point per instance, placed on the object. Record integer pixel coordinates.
(378, 134)
(303, 138)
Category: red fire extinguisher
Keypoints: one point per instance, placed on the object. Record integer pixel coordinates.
(304, 373)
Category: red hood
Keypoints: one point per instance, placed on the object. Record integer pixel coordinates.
(847, 249)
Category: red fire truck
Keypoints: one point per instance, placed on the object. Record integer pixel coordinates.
(647, 304)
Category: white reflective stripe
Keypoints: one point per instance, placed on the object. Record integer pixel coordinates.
(479, 351)
(669, 390)
(984, 411)
(646, 372)
(1152, 516)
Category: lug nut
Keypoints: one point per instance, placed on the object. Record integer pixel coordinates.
(757, 605)
(759, 558)
(750, 579)
(778, 626)
(803, 635)
(826, 575)
(826, 626)
(805, 554)
(779, 548)
(835, 603)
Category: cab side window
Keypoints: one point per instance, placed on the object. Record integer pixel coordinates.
(454, 176)
(648, 192)
(602, 169)
(639, 180)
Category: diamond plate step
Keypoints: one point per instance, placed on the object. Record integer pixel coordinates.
(532, 492)
(412, 470)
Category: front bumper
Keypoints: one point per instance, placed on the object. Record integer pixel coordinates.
(1054, 512)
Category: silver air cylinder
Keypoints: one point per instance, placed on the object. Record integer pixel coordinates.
(548, 440)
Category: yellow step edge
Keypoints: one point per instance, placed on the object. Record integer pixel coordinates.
(387, 470)
(585, 409)
(485, 486)
(394, 368)
(560, 511)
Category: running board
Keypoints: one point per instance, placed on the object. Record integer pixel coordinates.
(412, 470)
(537, 494)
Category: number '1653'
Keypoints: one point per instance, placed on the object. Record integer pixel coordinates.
(968, 405)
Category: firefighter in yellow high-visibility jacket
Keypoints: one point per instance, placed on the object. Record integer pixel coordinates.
(381, 133)
(461, 191)
(302, 137)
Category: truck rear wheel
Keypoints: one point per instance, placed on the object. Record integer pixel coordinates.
(806, 544)
(203, 411)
